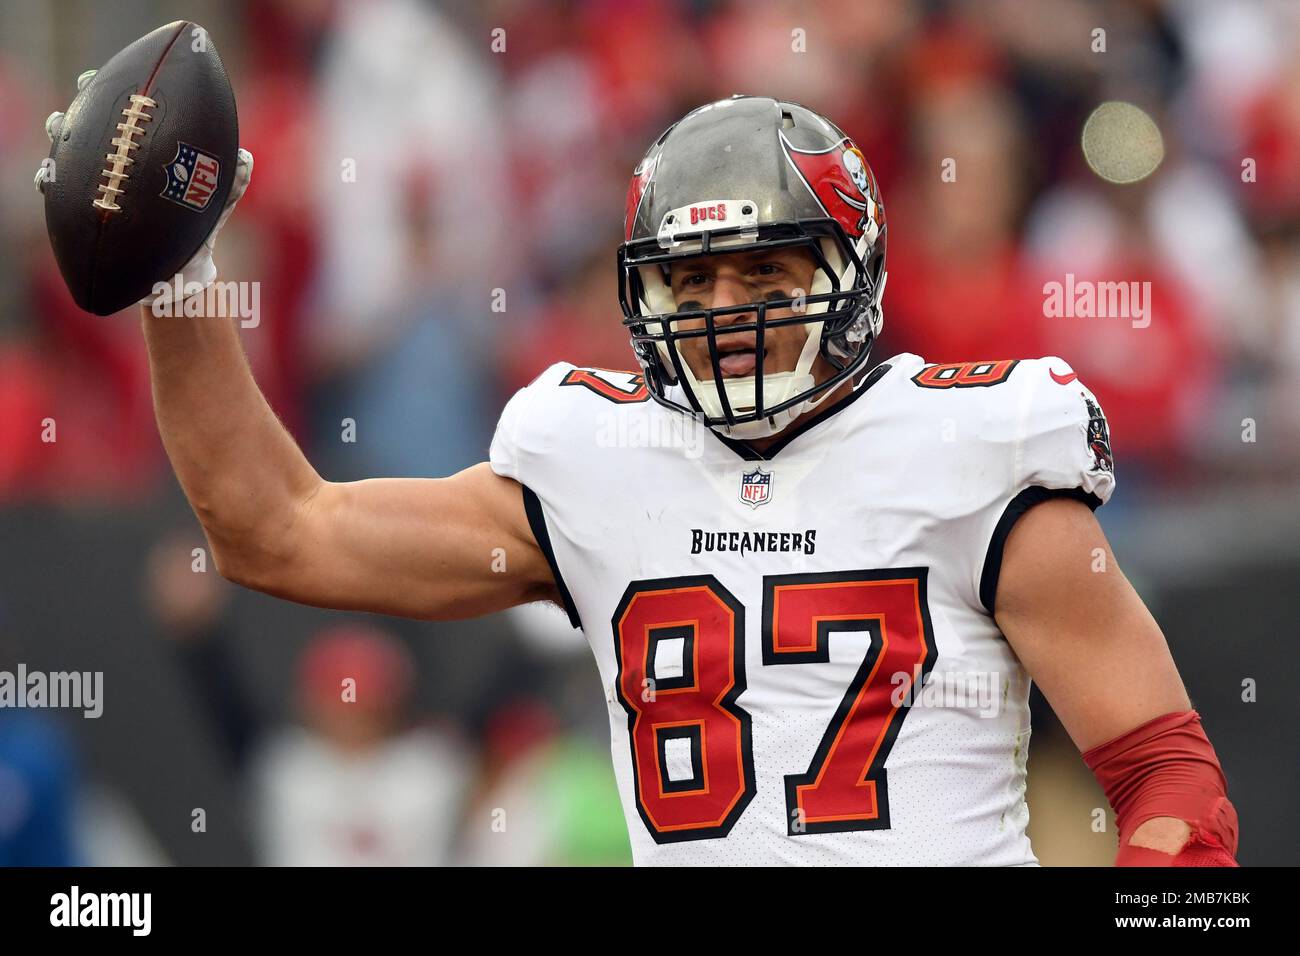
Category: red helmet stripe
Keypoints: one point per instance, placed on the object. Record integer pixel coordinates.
(636, 191)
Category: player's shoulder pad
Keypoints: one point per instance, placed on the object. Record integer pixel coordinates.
(1037, 408)
(1064, 438)
(561, 402)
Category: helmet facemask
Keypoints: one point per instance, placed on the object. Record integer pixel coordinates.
(839, 313)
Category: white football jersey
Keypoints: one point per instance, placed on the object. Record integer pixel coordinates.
(797, 647)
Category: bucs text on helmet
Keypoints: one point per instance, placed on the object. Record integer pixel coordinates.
(736, 175)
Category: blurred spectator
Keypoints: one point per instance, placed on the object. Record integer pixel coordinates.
(957, 291)
(359, 780)
(355, 784)
(414, 240)
(38, 778)
(1155, 374)
(546, 797)
(576, 325)
(37, 791)
(189, 604)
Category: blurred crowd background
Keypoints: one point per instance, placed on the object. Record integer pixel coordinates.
(486, 176)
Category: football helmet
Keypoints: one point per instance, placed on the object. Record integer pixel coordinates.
(736, 175)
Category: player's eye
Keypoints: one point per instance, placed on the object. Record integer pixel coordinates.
(767, 269)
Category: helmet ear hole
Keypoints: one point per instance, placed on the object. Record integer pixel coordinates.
(645, 354)
(877, 266)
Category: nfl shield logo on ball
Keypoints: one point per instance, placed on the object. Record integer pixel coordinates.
(191, 177)
(755, 488)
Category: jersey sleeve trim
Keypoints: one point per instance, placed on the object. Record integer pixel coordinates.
(537, 522)
(1018, 505)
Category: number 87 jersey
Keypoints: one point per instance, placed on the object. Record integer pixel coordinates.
(797, 647)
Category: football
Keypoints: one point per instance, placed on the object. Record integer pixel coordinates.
(140, 167)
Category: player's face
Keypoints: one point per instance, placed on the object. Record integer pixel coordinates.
(738, 278)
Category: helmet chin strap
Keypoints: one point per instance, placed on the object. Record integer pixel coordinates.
(773, 424)
(777, 387)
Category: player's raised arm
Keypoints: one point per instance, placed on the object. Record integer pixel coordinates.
(424, 548)
(427, 548)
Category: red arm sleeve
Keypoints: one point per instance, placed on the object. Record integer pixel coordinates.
(1167, 768)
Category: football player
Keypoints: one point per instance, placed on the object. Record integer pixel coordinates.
(815, 625)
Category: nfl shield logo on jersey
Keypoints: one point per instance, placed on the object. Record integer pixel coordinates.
(755, 487)
(191, 177)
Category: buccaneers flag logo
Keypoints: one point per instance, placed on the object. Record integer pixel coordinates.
(842, 182)
(1098, 437)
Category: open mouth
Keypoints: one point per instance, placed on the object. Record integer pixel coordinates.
(738, 364)
(738, 359)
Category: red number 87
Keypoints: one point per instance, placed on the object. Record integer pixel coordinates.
(679, 643)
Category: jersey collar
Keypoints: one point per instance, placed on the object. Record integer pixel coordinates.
(748, 453)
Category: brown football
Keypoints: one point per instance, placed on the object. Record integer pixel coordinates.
(140, 167)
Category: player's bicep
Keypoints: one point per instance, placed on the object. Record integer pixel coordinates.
(437, 548)
(1080, 629)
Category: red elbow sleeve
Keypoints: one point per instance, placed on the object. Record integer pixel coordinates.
(1167, 768)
